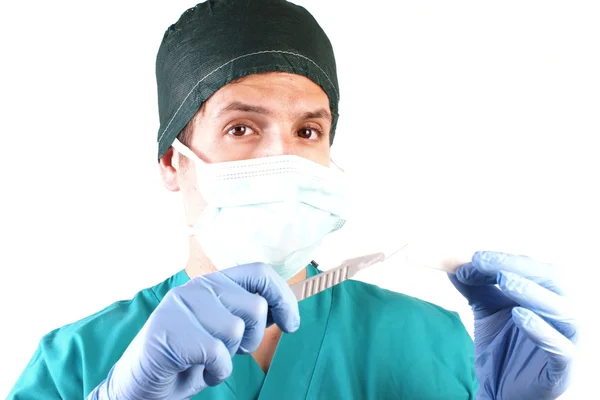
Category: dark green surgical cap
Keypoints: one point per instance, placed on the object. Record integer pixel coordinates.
(218, 41)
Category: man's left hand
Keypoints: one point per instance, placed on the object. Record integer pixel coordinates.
(524, 327)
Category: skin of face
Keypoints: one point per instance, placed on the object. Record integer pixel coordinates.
(260, 115)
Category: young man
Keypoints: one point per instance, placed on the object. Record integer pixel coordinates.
(248, 101)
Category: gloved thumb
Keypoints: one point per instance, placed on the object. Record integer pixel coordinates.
(561, 351)
(479, 289)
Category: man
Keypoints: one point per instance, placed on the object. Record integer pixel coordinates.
(248, 103)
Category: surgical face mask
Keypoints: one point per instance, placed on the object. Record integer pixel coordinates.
(274, 210)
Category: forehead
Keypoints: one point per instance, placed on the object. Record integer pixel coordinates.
(275, 90)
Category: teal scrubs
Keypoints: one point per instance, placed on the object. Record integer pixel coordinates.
(355, 341)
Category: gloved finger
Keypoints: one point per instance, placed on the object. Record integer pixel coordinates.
(198, 297)
(469, 275)
(218, 364)
(202, 348)
(490, 263)
(484, 300)
(552, 307)
(192, 382)
(560, 350)
(252, 309)
(261, 278)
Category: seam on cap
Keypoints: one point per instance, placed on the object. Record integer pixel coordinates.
(232, 60)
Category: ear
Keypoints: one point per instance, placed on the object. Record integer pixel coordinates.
(167, 170)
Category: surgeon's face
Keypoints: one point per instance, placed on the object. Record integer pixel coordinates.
(260, 115)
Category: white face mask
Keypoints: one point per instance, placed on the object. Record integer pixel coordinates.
(274, 210)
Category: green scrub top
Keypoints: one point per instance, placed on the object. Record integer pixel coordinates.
(355, 341)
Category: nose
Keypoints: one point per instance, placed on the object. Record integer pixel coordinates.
(276, 145)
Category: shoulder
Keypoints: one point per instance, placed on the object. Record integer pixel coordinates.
(116, 324)
(75, 358)
(417, 329)
(106, 325)
(382, 304)
(419, 342)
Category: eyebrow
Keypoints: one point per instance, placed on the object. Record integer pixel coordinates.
(239, 106)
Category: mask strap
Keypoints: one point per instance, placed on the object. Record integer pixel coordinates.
(181, 148)
(335, 165)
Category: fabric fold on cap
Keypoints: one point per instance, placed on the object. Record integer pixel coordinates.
(218, 41)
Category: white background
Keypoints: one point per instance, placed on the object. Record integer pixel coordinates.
(467, 123)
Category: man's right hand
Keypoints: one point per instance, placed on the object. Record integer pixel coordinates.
(188, 341)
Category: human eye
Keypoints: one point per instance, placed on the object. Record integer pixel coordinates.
(240, 130)
(310, 133)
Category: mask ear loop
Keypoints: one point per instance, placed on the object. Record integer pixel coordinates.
(187, 152)
(335, 165)
(184, 150)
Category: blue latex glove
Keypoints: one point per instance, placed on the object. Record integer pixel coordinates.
(188, 341)
(524, 330)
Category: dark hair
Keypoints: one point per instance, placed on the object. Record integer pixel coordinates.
(186, 133)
